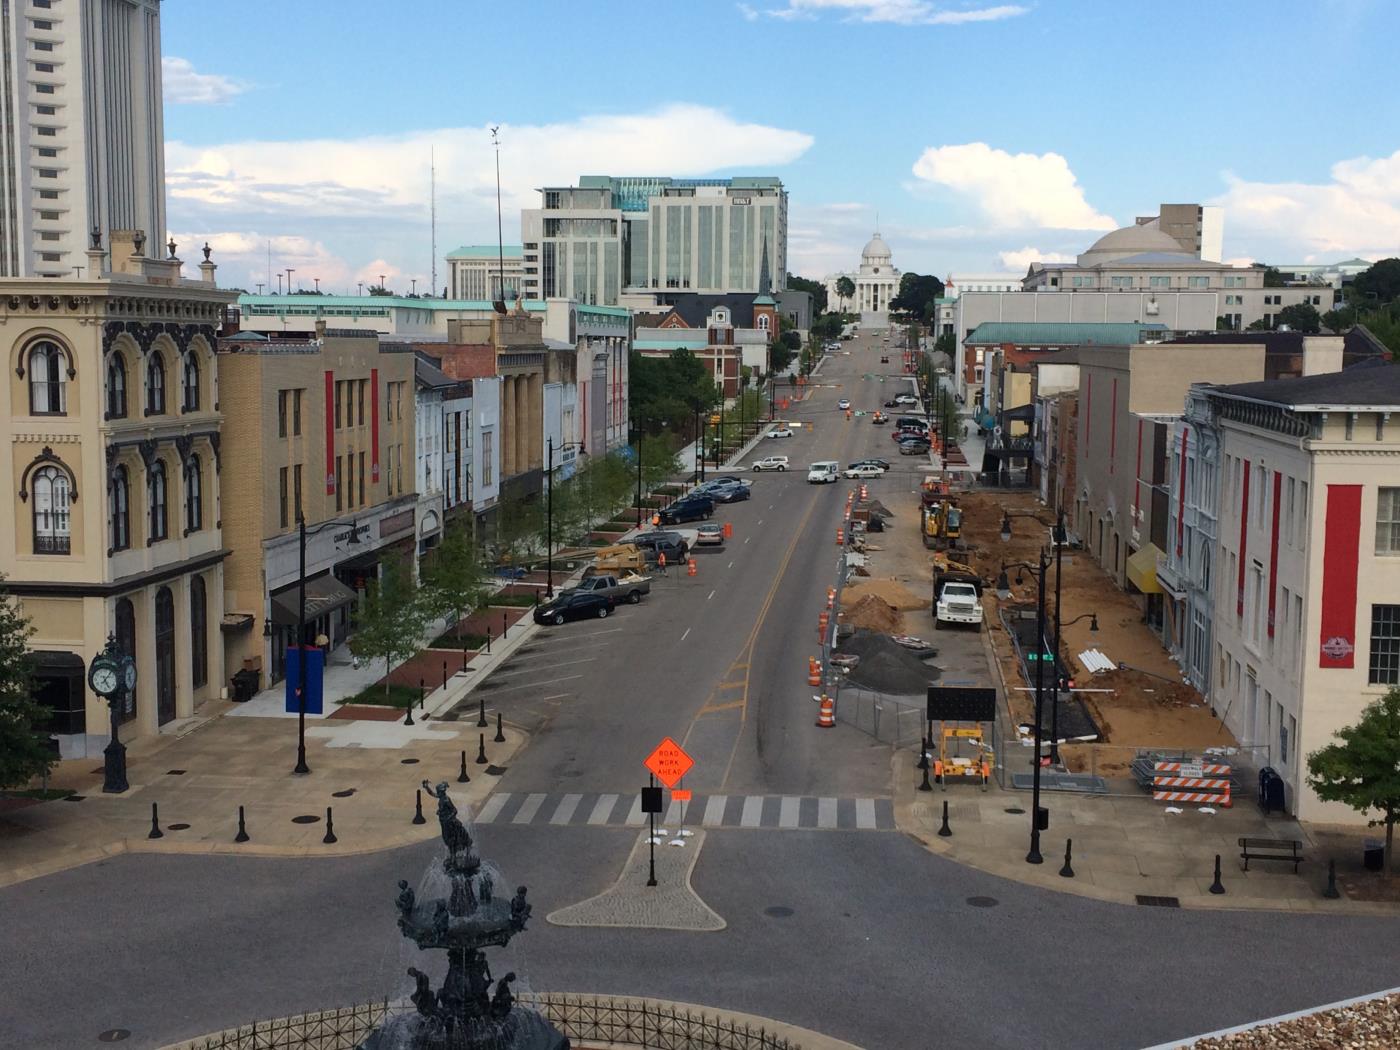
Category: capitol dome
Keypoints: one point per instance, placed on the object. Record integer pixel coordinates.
(875, 250)
(1131, 240)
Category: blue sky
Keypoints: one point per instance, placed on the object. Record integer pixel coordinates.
(983, 134)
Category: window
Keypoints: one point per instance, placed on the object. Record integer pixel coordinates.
(48, 195)
(46, 111)
(349, 479)
(339, 488)
(1388, 521)
(1282, 736)
(763, 323)
(1234, 300)
(1082, 281)
(43, 89)
(191, 382)
(48, 216)
(1385, 645)
(50, 496)
(487, 456)
(126, 638)
(282, 497)
(156, 498)
(360, 406)
(1234, 281)
(42, 45)
(296, 412)
(282, 418)
(296, 490)
(155, 385)
(1121, 282)
(47, 394)
(194, 496)
(116, 387)
(362, 479)
(338, 421)
(199, 632)
(119, 510)
(1198, 282)
(1160, 282)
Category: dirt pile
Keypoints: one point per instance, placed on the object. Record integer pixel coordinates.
(890, 591)
(872, 613)
(886, 666)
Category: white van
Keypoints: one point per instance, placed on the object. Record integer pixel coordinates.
(824, 471)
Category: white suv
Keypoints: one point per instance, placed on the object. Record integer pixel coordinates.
(771, 463)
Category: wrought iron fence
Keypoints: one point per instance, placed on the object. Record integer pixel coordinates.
(588, 1020)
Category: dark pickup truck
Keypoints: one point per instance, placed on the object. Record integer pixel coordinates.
(628, 589)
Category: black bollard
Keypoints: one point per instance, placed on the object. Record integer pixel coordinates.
(408, 718)
(242, 835)
(156, 833)
(1331, 892)
(422, 699)
(945, 831)
(500, 737)
(1216, 886)
(481, 714)
(505, 624)
(481, 751)
(444, 676)
(488, 641)
(418, 817)
(925, 764)
(464, 657)
(462, 777)
(330, 839)
(1067, 871)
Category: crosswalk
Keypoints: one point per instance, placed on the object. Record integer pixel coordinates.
(785, 812)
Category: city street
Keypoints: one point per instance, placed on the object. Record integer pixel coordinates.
(801, 858)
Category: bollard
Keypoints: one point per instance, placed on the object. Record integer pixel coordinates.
(418, 817)
(481, 751)
(408, 719)
(1331, 892)
(464, 657)
(242, 835)
(330, 839)
(481, 713)
(945, 831)
(156, 833)
(462, 777)
(488, 641)
(444, 675)
(1216, 886)
(500, 737)
(924, 764)
(422, 699)
(1067, 872)
(505, 624)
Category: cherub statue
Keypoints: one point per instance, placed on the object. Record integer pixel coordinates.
(502, 1001)
(440, 920)
(520, 909)
(422, 997)
(405, 900)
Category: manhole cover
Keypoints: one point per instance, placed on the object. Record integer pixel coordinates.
(778, 911)
(305, 818)
(983, 902)
(343, 794)
(175, 772)
(177, 827)
(1015, 809)
(113, 1035)
(408, 761)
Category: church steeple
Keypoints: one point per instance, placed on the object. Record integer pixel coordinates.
(765, 278)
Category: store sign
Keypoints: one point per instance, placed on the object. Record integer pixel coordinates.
(358, 531)
(741, 200)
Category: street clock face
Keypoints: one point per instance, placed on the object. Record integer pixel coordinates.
(129, 673)
(103, 678)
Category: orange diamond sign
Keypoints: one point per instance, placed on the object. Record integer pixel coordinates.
(669, 762)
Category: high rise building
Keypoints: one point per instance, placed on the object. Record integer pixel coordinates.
(81, 135)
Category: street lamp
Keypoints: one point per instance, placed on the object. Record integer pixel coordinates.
(1003, 588)
(549, 509)
(301, 768)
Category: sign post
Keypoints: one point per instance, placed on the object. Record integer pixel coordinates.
(668, 763)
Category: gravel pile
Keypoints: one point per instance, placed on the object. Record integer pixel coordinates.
(886, 666)
(1372, 1025)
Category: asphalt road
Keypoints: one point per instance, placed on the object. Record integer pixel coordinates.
(881, 946)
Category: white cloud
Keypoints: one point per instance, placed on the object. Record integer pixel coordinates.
(750, 15)
(1021, 258)
(897, 12)
(1013, 190)
(369, 196)
(1356, 212)
(181, 83)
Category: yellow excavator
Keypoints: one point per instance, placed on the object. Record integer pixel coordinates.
(941, 525)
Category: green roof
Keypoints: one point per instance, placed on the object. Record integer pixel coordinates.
(1053, 333)
(764, 300)
(486, 251)
(696, 337)
(302, 301)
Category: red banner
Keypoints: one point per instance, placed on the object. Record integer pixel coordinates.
(1340, 555)
(1181, 501)
(374, 425)
(330, 434)
(1273, 554)
(1244, 537)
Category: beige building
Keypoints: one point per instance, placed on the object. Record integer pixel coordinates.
(111, 413)
(1306, 587)
(323, 428)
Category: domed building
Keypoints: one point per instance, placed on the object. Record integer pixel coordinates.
(876, 283)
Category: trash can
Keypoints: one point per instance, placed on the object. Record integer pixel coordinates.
(1271, 791)
(245, 685)
(1042, 818)
(1373, 855)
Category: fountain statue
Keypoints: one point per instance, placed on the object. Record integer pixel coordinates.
(465, 1013)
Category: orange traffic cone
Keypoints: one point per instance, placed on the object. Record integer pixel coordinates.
(864, 493)
(729, 530)
(814, 672)
(690, 568)
(831, 597)
(840, 537)
(826, 714)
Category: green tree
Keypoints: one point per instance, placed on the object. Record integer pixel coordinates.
(1363, 771)
(391, 618)
(519, 524)
(845, 288)
(1339, 320)
(1301, 317)
(1258, 326)
(946, 344)
(1379, 284)
(826, 327)
(659, 460)
(24, 753)
(1272, 277)
(378, 289)
(453, 578)
(917, 295)
(781, 353)
(816, 289)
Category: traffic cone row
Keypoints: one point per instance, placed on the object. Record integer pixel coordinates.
(814, 671)
(826, 714)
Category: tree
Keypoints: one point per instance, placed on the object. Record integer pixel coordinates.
(659, 460)
(453, 577)
(1380, 283)
(519, 523)
(1301, 317)
(24, 752)
(1363, 771)
(815, 289)
(826, 327)
(781, 353)
(845, 288)
(1339, 320)
(1258, 326)
(1272, 277)
(917, 296)
(378, 289)
(946, 344)
(391, 618)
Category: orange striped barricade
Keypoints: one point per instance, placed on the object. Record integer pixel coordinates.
(1204, 783)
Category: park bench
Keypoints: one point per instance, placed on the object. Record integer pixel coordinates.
(1271, 849)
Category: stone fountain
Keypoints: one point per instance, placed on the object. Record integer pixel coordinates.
(462, 914)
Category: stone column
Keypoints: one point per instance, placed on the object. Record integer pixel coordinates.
(506, 438)
(184, 665)
(536, 417)
(522, 423)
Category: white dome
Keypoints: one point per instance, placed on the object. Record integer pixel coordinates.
(1132, 240)
(875, 250)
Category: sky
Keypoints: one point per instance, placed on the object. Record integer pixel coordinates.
(978, 135)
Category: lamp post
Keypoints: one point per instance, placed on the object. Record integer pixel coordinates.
(112, 676)
(1003, 592)
(549, 509)
(301, 768)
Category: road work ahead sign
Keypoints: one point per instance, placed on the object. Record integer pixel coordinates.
(669, 762)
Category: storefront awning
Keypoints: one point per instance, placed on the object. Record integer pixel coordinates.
(1142, 570)
(323, 594)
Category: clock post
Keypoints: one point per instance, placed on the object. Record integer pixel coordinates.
(112, 675)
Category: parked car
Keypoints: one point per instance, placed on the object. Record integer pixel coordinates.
(914, 448)
(891, 403)
(574, 605)
(629, 588)
(728, 491)
(671, 544)
(884, 360)
(863, 471)
(771, 463)
(906, 399)
(710, 534)
(882, 464)
(690, 508)
(843, 404)
(781, 433)
(902, 436)
(911, 423)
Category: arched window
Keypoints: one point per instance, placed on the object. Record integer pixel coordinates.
(47, 393)
(51, 493)
(199, 632)
(155, 385)
(155, 482)
(116, 387)
(126, 639)
(191, 374)
(763, 322)
(194, 496)
(119, 509)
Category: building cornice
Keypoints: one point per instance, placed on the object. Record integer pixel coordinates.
(160, 574)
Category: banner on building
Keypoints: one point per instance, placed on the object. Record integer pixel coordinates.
(1340, 557)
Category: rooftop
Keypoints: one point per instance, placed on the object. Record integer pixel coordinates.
(1049, 333)
(487, 251)
(1370, 384)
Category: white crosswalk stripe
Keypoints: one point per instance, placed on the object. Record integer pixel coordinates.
(565, 811)
(779, 812)
(602, 809)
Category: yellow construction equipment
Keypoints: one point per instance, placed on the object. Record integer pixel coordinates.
(963, 753)
(941, 524)
(617, 560)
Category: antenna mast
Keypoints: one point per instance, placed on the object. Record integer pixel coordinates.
(432, 221)
(500, 303)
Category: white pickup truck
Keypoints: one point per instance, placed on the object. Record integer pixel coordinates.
(959, 603)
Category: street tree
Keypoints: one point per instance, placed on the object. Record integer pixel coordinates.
(816, 289)
(453, 578)
(1301, 317)
(917, 295)
(23, 746)
(659, 460)
(391, 618)
(845, 288)
(519, 522)
(1363, 770)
